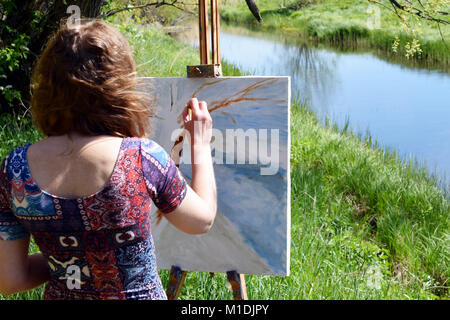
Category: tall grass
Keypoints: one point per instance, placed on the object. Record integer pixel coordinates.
(364, 224)
(395, 205)
(16, 130)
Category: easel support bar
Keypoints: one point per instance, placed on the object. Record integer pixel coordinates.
(176, 281)
(215, 35)
(206, 69)
(203, 29)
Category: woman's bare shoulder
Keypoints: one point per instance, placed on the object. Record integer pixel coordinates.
(74, 146)
(61, 165)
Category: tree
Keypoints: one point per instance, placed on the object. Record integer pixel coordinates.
(434, 10)
(24, 29)
(411, 13)
(25, 26)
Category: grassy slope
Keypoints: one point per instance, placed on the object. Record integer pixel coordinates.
(341, 22)
(364, 225)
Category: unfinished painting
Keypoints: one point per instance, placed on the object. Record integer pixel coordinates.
(250, 149)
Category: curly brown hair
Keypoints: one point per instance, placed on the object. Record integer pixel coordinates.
(85, 82)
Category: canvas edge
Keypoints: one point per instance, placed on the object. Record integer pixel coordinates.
(288, 173)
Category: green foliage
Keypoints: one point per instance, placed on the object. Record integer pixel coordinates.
(15, 57)
(161, 56)
(166, 13)
(13, 51)
(15, 130)
(416, 16)
(24, 29)
(297, 4)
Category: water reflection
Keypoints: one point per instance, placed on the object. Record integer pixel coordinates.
(313, 75)
(312, 72)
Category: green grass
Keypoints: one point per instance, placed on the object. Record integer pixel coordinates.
(369, 198)
(364, 224)
(157, 55)
(342, 23)
(15, 130)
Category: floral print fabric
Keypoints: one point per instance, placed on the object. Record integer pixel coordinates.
(99, 246)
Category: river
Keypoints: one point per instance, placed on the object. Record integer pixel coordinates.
(403, 108)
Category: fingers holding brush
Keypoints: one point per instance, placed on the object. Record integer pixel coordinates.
(198, 121)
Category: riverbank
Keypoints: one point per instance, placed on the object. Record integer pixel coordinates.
(364, 225)
(344, 23)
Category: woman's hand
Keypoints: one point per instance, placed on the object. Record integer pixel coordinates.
(199, 125)
(197, 212)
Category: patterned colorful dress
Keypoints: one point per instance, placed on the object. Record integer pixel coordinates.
(99, 246)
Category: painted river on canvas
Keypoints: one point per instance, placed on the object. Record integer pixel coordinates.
(406, 109)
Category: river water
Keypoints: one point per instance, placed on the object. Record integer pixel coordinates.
(406, 109)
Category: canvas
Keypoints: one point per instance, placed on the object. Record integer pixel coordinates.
(250, 148)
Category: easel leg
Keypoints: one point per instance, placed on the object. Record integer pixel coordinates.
(237, 282)
(176, 281)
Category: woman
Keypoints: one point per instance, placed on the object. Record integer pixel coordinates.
(85, 191)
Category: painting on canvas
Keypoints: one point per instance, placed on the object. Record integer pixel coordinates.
(250, 148)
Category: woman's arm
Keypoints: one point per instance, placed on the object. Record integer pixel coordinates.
(20, 271)
(203, 181)
(197, 212)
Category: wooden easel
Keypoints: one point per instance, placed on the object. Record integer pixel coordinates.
(177, 277)
(207, 70)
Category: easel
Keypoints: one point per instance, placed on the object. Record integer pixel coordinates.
(177, 277)
(207, 70)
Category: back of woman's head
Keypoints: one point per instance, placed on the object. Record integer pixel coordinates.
(85, 82)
